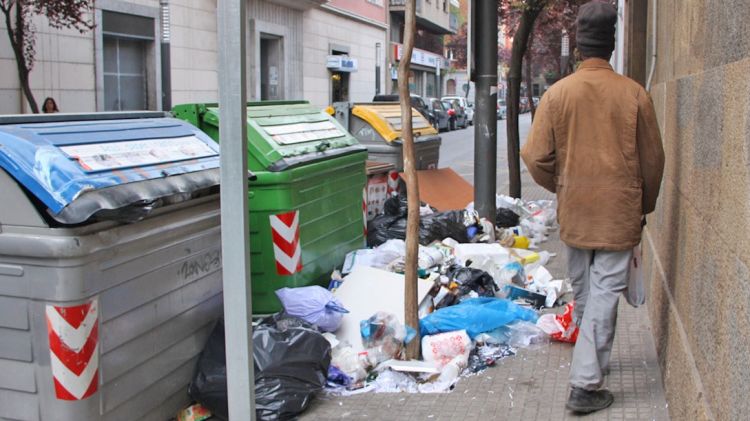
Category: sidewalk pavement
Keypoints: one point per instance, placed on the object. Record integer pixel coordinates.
(532, 385)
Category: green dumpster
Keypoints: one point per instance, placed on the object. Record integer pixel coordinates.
(306, 205)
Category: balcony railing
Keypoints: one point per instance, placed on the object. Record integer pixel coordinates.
(402, 3)
(433, 17)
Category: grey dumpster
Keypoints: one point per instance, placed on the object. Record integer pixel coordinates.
(377, 126)
(110, 264)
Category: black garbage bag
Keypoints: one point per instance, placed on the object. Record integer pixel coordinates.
(471, 279)
(506, 218)
(291, 366)
(431, 227)
(209, 384)
(291, 360)
(385, 227)
(442, 225)
(397, 206)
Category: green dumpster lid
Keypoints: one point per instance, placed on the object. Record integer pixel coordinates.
(284, 134)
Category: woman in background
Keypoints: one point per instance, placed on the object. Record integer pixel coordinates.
(50, 106)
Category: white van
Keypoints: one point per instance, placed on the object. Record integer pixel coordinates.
(468, 107)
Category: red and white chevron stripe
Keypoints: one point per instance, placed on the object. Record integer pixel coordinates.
(74, 349)
(286, 246)
(393, 181)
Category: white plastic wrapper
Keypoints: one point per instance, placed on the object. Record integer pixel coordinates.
(391, 254)
(443, 348)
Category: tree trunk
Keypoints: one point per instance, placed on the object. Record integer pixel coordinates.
(520, 41)
(17, 42)
(412, 187)
(529, 83)
(529, 76)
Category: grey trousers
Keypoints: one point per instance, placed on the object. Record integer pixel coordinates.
(598, 279)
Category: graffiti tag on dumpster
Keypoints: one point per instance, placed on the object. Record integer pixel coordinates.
(200, 265)
(366, 133)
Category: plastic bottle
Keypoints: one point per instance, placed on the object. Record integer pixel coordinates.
(520, 242)
(450, 371)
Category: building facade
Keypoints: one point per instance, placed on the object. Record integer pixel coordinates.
(428, 65)
(696, 247)
(151, 54)
(344, 53)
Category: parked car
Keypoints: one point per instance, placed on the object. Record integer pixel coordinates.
(456, 113)
(439, 115)
(501, 110)
(467, 106)
(415, 100)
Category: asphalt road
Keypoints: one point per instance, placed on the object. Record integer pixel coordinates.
(457, 151)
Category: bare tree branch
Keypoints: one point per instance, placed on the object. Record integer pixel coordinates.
(18, 14)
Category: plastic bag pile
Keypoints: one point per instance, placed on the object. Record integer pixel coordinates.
(489, 280)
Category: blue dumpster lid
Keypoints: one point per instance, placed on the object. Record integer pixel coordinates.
(79, 168)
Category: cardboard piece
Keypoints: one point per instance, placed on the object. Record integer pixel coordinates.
(366, 291)
(444, 189)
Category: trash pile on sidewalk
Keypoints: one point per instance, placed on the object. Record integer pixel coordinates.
(481, 284)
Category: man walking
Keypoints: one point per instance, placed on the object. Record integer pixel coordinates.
(595, 142)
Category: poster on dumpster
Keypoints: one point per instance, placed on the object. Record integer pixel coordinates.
(288, 134)
(137, 153)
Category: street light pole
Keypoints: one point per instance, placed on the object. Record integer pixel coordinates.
(485, 125)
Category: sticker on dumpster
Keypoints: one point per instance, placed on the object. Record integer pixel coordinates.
(137, 153)
(377, 193)
(286, 246)
(393, 182)
(74, 349)
(303, 132)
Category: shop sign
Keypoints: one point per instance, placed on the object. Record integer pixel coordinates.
(420, 57)
(339, 63)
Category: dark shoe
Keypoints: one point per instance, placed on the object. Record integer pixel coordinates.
(586, 401)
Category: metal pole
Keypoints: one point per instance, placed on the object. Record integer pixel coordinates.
(377, 68)
(438, 82)
(166, 66)
(485, 125)
(470, 46)
(234, 209)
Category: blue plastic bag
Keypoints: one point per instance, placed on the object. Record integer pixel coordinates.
(313, 304)
(476, 315)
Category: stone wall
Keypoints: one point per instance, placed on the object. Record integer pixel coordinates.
(697, 242)
(194, 54)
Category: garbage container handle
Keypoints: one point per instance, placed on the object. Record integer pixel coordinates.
(323, 146)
